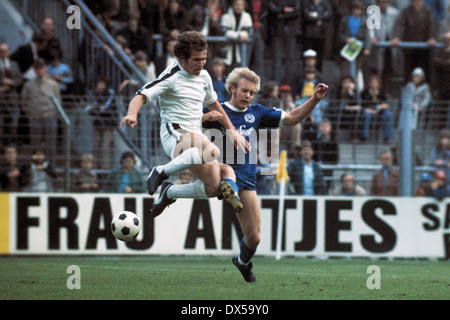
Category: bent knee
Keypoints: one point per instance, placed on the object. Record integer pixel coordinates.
(253, 239)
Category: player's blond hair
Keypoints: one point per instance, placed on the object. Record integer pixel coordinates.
(242, 73)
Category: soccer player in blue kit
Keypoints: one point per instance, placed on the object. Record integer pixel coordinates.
(243, 84)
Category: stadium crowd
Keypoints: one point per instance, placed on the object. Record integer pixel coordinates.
(301, 40)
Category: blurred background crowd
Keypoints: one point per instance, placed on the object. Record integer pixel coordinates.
(59, 79)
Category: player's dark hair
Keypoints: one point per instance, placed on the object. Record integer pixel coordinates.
(188, 42)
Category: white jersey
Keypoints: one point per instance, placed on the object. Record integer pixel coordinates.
(182, 96)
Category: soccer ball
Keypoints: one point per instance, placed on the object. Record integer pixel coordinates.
(125, 226)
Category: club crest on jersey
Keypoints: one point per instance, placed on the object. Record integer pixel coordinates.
(249, 118)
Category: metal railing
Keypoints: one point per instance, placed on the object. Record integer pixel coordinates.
(67, 124)
(81, 132)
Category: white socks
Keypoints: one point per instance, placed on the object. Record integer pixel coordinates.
(194, 190)
(182, 162)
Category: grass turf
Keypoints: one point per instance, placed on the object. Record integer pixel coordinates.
(215, 278)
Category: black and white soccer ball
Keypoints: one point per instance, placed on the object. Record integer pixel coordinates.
(126, 226)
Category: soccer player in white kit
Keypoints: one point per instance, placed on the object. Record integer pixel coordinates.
(183, 89)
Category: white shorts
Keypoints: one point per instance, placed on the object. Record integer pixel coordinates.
(170, 135)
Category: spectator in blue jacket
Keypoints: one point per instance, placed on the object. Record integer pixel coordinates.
(126, 178)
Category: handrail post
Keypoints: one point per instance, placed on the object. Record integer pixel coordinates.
(68, 126)
(406, 149)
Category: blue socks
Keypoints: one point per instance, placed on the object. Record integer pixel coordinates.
(246, 253)
(233, 184)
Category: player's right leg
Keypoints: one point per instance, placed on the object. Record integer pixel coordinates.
(250, 221)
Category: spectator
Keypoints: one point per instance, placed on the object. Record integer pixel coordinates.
(168, 58)
(41, 172)
(345, 109)
(13, 176)
(384, 62)
(105, 121)
(305, 83)
(354, 26)
(303, 93)
(440, 153)
(10, 82)
(27, 54)
(85, 180)
(316, 16)
(150, 17)
(113, 26)
(41, 112)
(289, 135)
(325, 146)
(374, 102)
(258, 10)
(123, 44)
(385, 180)
(60, 72)
(51, 41)
(439, 186)
(424, 188)
(137, 36)
(305, 174)
(444, 25)
(219, 79)
(438, 8)
(236, 25)
(119, 9)
(173, 21)
(420, 91)
(126, 178)
(415, 23)
(285, 23)
(269, 97)
(348, 187)
(205, 18)
(309, 62)
(340, 9)
(441, 69)
(146, 66)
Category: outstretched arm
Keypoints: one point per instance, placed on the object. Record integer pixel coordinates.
(300, 113)
(133, 108)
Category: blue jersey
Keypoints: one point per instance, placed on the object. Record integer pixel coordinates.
(247, 122)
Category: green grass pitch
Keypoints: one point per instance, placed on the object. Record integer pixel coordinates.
(215, 278)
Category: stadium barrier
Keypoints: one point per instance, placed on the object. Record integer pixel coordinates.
(371, 227)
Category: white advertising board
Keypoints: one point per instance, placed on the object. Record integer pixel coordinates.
(33, 223)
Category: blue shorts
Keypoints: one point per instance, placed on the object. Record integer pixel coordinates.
(245, 177)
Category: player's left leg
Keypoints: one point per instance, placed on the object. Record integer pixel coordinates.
(207, 186)
(250, 221)
(229, 188)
